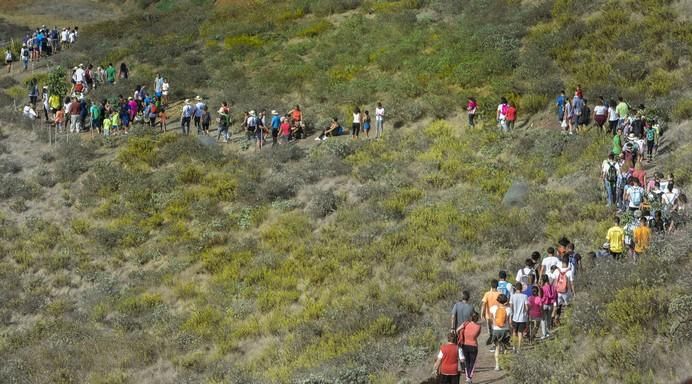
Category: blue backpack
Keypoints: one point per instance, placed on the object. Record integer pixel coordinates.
(502, 288)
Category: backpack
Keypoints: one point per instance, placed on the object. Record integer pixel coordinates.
(25, 52)
(635, 196)
(561, 281)
(650, 134)
(612, 174)
(504, 109)
(502, 288)
(500, 316)
(154, 108)
(525, 276)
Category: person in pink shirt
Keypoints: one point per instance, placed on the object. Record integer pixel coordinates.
(471, 107)
(535, 312)
(284, 130)
(133, 108)
(549, 299)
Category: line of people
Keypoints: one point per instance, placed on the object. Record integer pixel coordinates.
(512, 312)
(41, 43)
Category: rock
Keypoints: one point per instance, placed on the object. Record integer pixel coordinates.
(207, 141)
(516, 194)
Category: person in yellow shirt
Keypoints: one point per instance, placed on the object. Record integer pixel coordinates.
(489, 300)
(642, 238)
(616, 239)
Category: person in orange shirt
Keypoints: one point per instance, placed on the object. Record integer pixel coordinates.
(642, 238)
(489, 299)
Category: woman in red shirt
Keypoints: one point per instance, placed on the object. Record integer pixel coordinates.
(511, 116)
(468, 340)
(447, 363)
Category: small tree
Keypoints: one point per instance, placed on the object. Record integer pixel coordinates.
(57, 83)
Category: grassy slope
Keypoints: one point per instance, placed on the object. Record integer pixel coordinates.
(177, 261)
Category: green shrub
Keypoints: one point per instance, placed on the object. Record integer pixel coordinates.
(682, 109)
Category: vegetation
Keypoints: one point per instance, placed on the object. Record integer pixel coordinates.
(337, 262)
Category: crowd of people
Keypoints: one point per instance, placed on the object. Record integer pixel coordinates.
(531, 308)
(42, 42)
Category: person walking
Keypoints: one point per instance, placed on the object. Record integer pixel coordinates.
(275, 124)
(535, 305)
(185, 117)
(616, 239)
(224, 122)
(447, 363)
(8, 60)
(501, 314)
(501, 114)
(468, 333)
(461, 311)
(511, 116)
(560, 104)
(489, 300)
(563, 278)
(471, 107)
(549, 299)
(519, 303)
(357, 122)
(379, 120)
(610, 172)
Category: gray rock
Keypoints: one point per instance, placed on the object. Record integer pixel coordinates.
(516, 194)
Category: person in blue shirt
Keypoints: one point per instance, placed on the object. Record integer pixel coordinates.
(560, 103)
(275, 124)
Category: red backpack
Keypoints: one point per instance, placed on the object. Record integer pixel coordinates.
(561, 281)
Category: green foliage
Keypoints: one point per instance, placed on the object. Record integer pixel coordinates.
(682, 109)
(57, 82)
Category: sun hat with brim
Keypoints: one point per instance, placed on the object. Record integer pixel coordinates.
(274, 112)
(187, 101)
(198, 98)
(606, 246)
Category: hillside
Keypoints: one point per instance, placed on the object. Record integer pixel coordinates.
(159, 258)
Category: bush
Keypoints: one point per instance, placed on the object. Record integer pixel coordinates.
(682, 109)
(74, 158)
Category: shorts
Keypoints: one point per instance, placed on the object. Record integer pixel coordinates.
(563, 298)
(519, 327)
(500, 335)
(259, 134)
(600, 119)
(157, 94)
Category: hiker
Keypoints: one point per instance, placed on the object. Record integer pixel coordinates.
(95, 113)
(585, 118)
(622, 110)
(59, 120)
(560, 104)
(45, 101)
(548, 302)
(677, 215)
(285, 130)
(158, 86)
(635, 195)
(124, 71)
(224, 122)
(501, 315)
(617, 142)
(275, 124)
(577, 111)
(511, 116)
(8, 60)
(151, 112)
(461, 311)
(574, 259)
(197, 116)
(642, 238)
(651, 140)
(467, 339)
(99, 76)
(165, 89)
(206, 120)
(504, 286)
(258, 132)
(471, 107)
(489, 300)
(610, 172)
(29, 112)
(613, 118)
(548, 261)
(564, 285)
(600, 114)
(639, 172)
(186, 117)
(536, 259)
(567, 116)
(110, 74)
(501, 114)
(33, 92)
(616, 239)
(524, 274)
(447, 363)
(519, 302)
(334, 129)
(133, 108)
(379, 120)
(296, 115)
(535, 305)
(251, 125)
(366, 123)
(74, 109)
(24, 54)
(107, 122)
(357, 122)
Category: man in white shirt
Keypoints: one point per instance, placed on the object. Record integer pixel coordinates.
(79, 73)
(379, 120)
(549, 261)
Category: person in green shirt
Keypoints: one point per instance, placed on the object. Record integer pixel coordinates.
(110, 74)
(617, 143)
(622, 109)
(95, 112)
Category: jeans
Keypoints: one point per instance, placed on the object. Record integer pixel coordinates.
(610, 188)
(74, 123)
(185, 125)
(470, 354)
(471, 116)
(650, 148)
(379, 128)
(223, 130)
